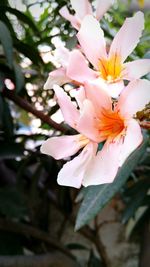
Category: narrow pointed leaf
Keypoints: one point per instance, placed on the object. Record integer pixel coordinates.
(6, 41)
(21, 16)
(19, 77)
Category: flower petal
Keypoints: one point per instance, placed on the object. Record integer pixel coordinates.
(96, 92)
(62, 55)
(104, 166)
(78, 69)
(128, 36)
(64, 12)
(102, 7)
(73, 172)
(58, 77)
(79, 95)
(112, 89)
(132, 140)
(91, 39)
(62, 146)
(69, 111)
(87, 124)
(136, 69)
(134, 97)
(82, 8)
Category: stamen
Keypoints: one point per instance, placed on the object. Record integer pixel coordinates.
(83, 140)
(110, 69)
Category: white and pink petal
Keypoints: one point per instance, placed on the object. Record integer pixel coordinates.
(56, 77)
(64, 12)
(102, 7)
(88, 122)
(62, 146)
(81, 8)
(133, 138)
(96, 92)
(134, 97)
(78, 69)
(136, 69)
(68, 109)
(91, 39)
(127, 37)
(104, 166)
(73, 172)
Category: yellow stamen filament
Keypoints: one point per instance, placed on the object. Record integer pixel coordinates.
(110, 69)
(111, 125)
(83, 140)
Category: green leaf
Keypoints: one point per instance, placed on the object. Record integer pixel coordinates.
(71, 42)
(135, 198)
(133, 222)
(76, 246)
(10, 150)
(12, 203)
(2, 85)
(98, 196)
(94, 261)
(28, 51)
(10, 244)
(6, 40)
(21, 16)
(19, 77)
(7, 120)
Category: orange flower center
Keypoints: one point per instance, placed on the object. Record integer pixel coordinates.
(111, 125)
(110, 69)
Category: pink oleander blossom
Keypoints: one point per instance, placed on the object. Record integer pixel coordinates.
(83, 8)
(110, 66)
(98, 120)
(63, 75)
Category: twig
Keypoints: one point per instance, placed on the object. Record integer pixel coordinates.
(100, 225)
(28, 107)
(145, 124)
(20, 228)
(99, 245)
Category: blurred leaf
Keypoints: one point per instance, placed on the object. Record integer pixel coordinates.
(10, 244)
(21, 16)
(7, 120)
(1, 109)
(12, 204)
(19, 77)
(6, 41)
(71, 42)
(94, 261)
(10, 150)
(76, 246)
(134, 221)
(81, 194)
(29, 51)
(2, 85)
(133, 205)
(98, 196)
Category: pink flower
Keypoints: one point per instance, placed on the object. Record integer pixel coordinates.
(110, 67)
(70, 61)
(83, 8)
(98, 120)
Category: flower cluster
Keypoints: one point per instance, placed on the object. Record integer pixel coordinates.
(105, 116)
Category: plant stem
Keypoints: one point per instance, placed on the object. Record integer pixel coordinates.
(20, 228)
(24, 104)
